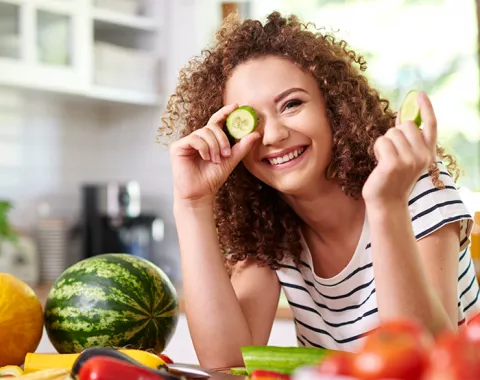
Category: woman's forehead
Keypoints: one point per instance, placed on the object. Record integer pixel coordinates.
(262, 79)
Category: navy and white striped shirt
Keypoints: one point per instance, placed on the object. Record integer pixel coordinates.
(337, 312)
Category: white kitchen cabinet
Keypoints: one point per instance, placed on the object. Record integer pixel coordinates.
(97, 49)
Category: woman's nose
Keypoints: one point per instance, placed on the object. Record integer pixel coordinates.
(274, 132)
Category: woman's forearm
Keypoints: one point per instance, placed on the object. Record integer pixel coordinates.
(402, 287)
(216, 322)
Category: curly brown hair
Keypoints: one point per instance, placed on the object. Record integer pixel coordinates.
(252, 219)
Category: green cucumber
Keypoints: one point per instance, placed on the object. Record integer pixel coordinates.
(241, 122)
(410, 109)
(281, 359)
(239, 371)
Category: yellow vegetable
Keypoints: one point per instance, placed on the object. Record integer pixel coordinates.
(37, 362)
(49, 374)
(11, 370)
(144, 357)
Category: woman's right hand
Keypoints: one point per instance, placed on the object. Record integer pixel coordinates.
(203, 160)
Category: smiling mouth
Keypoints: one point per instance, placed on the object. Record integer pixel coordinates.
(287, 157)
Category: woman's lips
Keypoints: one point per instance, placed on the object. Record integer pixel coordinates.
(278, 163)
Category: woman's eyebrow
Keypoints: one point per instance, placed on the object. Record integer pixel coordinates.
(285, 93)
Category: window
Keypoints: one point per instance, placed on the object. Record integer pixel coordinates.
(423, 44)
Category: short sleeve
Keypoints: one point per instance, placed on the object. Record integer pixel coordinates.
(431, 208)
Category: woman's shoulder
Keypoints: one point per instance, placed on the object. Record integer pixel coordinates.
(433, 205)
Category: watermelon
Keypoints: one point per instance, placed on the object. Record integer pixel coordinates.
(111, 300)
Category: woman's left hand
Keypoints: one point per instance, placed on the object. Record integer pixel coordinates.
(402, 154)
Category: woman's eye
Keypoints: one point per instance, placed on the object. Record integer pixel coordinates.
(292, 104)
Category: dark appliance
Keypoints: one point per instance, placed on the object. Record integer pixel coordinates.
(113, 222)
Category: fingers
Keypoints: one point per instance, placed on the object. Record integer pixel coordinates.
(403, 147)
(198, 144)
(423, 143)
(405, 152)
(384, 150)
(429, 121)
(212, 143)
(214, 136)
(241, 149)
(399, 140)
(220, 116)
(412, 134)
(208, 136)
(222, 139)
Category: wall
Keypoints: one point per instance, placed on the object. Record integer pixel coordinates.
(50, 145)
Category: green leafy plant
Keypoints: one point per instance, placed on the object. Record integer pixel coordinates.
(6, 230)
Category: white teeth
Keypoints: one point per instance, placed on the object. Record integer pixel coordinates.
(287, 157)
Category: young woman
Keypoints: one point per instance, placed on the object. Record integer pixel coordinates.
(352, 213)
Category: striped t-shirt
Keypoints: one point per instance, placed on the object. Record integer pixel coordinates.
(337, 312)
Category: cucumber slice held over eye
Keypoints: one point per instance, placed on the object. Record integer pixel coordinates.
(241, 122)
(410, 109)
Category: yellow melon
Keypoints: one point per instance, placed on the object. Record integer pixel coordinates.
(21, 320)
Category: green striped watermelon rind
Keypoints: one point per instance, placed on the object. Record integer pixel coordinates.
(86, 306)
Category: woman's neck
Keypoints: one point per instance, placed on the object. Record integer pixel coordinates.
(333, 224)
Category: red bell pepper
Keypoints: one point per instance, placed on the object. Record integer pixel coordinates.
(165, 358)
(108, 368)
(260, 374)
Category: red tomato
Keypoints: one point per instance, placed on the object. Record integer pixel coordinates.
(454, 357)
(396, 349)
(472, 329)
(338, 363)
(165, 358)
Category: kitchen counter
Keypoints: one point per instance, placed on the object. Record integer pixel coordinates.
(283, 310)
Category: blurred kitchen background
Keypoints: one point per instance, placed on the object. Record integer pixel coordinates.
(83, 84)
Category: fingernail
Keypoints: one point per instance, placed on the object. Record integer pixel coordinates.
(226, 152)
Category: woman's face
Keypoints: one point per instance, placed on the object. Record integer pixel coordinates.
(296, 144)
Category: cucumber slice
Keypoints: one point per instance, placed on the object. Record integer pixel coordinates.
(241, 122)
(410, 109)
